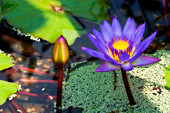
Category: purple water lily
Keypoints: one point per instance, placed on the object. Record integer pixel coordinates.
(120, 49)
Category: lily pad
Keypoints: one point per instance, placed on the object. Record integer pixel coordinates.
(5, 61)
(167, 77)
(48, 19)
(100, 10)
(7, 89)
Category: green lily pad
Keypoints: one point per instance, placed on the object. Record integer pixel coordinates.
(48, 19)
(167, 77)
(100, 10)
(7, 89)
(5, 61)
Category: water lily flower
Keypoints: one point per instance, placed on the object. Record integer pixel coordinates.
(120, 49)
(60, 52)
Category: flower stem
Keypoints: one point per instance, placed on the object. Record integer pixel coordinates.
(127, 87)
(37, 71)
(11, 108)
(18, 106)
(115, 80)
(2, 111)
(59, 88)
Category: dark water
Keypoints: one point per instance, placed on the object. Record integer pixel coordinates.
(31, 56)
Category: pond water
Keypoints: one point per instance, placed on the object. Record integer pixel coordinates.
(35, 70)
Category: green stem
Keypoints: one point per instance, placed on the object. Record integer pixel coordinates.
(127, 87)
(59, 89)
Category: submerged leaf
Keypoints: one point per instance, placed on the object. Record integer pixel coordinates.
(5, 61)
(7, 89)
(48, 19)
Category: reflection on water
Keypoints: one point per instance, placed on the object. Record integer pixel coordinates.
(35, 71)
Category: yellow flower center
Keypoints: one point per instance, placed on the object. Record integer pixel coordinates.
(120, 45)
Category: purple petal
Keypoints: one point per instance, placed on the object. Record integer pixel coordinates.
(139, 34)
(127, 23)
(102, 46)
(94, 53)
(117, 30)
(129, 29)
(142, 46)
(107, 66)
(111, 59)
(135, 56)
(98, 43)
(106, 36)
(127, 66)
(93, 40)
(108, 27)
(144, 60)
(100, 40)
(139, 26)
(97, 34)
(148, 41)
(124, 57)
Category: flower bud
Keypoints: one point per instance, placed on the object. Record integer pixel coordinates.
(60, 52)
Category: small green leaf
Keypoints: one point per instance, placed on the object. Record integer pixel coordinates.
(5, 61)
(7, 89)
(167, 77)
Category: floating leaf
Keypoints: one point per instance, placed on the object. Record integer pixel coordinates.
(7, 89)
(79, 8)
(100, 10)
(5, 61)
(48, 19)
(167, 77)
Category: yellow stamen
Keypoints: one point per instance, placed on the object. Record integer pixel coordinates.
(110, 53)
(114, 56)
(120, 45)
(130, 54)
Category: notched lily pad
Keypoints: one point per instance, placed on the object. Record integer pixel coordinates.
(5, 61)
(48, 19)
(7, 89)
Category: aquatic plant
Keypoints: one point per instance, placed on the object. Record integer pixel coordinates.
(121, 49)
(93, 92)
(60, 55)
